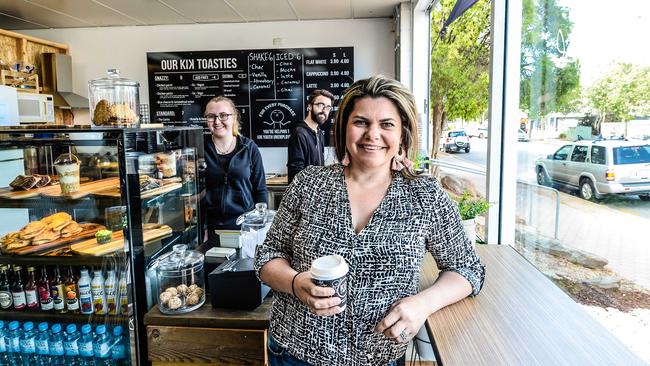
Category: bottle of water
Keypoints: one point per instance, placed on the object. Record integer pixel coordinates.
(4, 352)
(119, 347)
(13, 343)
(71, 345)
(102, 347)
(56, 346)
(86, 345)
(43, 345)
(28, 344)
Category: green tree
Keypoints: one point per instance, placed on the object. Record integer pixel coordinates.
(619, 95)
(459, 66)
(550, 81)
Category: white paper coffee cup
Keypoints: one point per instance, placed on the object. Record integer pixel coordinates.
(331, 271)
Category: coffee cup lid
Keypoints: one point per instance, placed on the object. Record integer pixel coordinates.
(329, 267)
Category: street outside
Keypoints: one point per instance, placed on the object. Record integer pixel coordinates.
(527, 153)
(614, 228)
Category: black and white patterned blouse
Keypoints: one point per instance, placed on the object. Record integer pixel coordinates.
(314, 219)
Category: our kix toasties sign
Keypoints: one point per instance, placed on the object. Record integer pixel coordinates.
(269, 86)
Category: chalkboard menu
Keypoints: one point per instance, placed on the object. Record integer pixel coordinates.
(269, 86)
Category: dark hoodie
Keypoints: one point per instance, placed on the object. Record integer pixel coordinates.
(306, 147)
(236, 190)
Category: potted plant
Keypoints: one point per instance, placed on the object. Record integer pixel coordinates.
(469, 207)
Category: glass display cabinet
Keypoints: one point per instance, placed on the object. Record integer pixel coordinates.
(83, 210)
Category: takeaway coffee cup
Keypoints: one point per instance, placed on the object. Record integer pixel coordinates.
(331, 271)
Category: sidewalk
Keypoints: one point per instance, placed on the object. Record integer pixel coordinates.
(620, 237)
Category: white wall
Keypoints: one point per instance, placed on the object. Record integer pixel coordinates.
(94, 50)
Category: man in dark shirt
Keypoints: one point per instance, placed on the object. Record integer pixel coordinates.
(307, 141)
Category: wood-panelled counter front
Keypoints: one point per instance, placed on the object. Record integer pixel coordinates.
(519, 318)
(209, 336)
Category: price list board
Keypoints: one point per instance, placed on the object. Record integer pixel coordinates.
(269, 87)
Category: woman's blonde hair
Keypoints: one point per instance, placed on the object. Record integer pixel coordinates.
(235, 113)
(375, 87)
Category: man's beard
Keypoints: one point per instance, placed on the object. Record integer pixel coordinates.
(319, 118)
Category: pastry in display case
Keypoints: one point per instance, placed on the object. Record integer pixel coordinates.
(114, 101)
(83, 212)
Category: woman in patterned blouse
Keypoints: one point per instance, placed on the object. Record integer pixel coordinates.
(381, 217)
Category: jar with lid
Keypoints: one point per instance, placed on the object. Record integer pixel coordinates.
(254, 226)
(180, 280)
(114, 101)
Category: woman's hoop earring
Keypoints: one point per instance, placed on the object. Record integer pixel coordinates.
(346, 159)
(400, 161)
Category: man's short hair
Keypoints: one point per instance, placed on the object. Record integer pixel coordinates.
(320, 92)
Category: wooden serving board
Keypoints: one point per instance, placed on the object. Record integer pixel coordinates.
(30, 193)
(87, 188)
(90, 247)
(167, 187)
(89, 230)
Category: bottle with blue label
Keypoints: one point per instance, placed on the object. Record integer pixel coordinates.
(12, 340)
(28, 344)
(102, 347)
(71, 345)
(4, 353)
(56, 346)
(86, 345)
(119, 347)
(85, 294)
(43, 345)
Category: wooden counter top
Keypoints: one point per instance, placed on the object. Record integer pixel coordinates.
(208, 317)
(519, 318)
(278, 180)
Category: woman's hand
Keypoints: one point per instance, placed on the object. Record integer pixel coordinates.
(320, 300)
(404, 319)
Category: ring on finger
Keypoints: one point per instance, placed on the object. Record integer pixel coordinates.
(404, 335)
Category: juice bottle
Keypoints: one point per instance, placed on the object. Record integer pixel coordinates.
(71, 292)
(97, 291)
(85, 295)
(18, 291)
(110, 290)
(58, 291)
(5, 290)
(123, 295)
(44, 290)
(30, 289)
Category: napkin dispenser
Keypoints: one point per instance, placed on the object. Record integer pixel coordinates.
(234, 285)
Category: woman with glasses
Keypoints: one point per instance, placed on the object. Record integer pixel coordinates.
(373, 210)
(235, 179)
(306, 144)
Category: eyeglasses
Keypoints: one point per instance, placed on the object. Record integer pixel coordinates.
(213, 117)
(323, 106)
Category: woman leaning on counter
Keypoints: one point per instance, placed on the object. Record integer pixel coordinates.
(381, 217)
(235, 179)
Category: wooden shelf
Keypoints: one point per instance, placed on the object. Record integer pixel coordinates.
(61, 260)
(23, 82)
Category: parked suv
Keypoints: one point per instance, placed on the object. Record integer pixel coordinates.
(455, 141)
(598, 168)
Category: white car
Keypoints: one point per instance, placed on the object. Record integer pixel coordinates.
(456, 140)
(522, 135)
(599, 168)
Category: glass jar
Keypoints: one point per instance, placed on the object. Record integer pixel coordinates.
(180, 280)
(114, 101)
(254, 226)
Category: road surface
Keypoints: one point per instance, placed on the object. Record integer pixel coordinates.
(527, 153)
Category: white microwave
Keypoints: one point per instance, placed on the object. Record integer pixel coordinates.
(35, 108)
